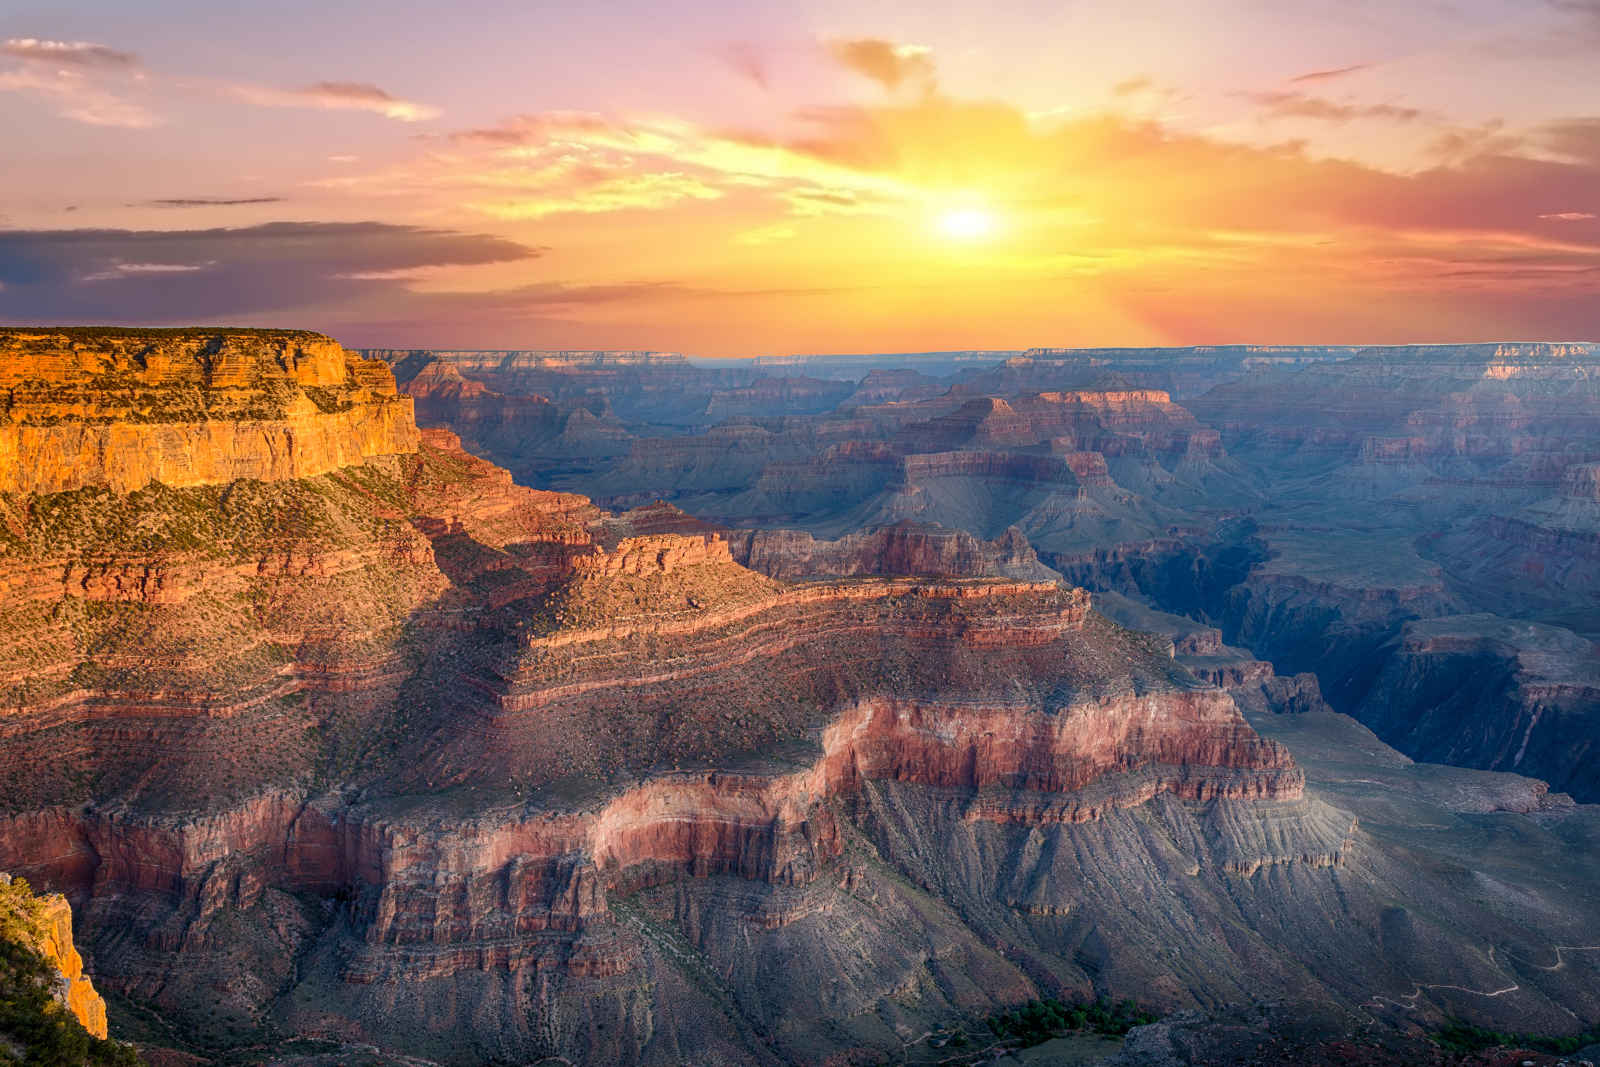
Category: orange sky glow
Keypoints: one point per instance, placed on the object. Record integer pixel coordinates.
(887, 177)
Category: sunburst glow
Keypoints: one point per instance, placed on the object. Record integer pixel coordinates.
(967, 224)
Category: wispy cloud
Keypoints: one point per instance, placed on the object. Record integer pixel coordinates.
(1329, 75)
(890, 65)
(68, 53)
(338, 96)
(209, 201)
(78, 97)
(91, 83)
(1280, 104)
(1569, 216)
(641, 191)
(535, 165)
(747, 61)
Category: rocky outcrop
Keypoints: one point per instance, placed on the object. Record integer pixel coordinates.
(1252, 682)
(1446, 431)
(527, 433)
(211, 632)
(663, 386)
(43, 925)
(426, 893)
(1540, 561)
(1113, 422)
(893, 386)
(903, 549)
(87, 408)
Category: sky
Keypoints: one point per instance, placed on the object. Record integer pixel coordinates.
(734, 179)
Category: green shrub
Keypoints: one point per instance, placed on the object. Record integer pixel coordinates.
(1040, 1020)
(30, 1018)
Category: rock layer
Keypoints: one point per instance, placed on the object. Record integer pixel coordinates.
(88, 408)
(406, 753)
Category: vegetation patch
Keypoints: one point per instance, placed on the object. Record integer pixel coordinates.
(34, 1028)
(1458, 1036)
(1040, 1020)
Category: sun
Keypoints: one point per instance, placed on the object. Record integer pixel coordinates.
(967, 224)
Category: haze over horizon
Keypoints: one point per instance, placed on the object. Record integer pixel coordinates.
(729, 180)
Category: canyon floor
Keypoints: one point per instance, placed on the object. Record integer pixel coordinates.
(511, 707)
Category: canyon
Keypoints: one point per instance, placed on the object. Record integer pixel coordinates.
(616, 707)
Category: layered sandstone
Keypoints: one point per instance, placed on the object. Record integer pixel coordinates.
(779, 396)
(1509, 413)
(639, 384)
(91, 408)
(903, 549)
(407, 753)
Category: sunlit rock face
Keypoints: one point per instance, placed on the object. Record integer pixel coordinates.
(43, 925)
(120, 410)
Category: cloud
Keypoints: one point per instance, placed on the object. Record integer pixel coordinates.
(82, 78)
(68, 53)
(209, 201)
(156, 276)
(646, 191)
(1570, 216)
(1280, 104)
(1589, 9)
(86, 82)
(890, 65)
(1133, 86)
(542, 126)
(79, 98)
(1460, 143)
(1108, 204)
(534, 165)
(338, 96)
(1329, 75)
(747, 61)
(1577, 140)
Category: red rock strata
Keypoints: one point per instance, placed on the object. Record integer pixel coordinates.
(318, 741)
(554, 869)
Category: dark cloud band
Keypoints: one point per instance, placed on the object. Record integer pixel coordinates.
(154, 276)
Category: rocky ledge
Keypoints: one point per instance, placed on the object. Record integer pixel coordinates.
(121, 409)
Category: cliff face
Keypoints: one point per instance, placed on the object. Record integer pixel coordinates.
(86, 408)
(1481, 691)
(906, 548)
(1483, 402)
(43, 924)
